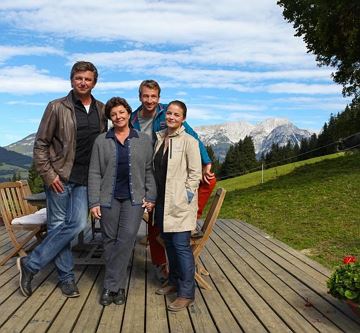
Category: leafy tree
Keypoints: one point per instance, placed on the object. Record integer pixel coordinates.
(331, 31)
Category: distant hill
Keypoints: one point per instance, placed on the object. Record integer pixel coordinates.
(7, 172)
(14, 158)
(11, 163)
(23, 146)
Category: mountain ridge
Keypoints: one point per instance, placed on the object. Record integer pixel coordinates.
(264, 134)
(221, 136)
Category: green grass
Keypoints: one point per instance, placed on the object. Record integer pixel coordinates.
(312, 205)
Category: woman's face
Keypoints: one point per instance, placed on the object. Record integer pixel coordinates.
(119, 117)
(174, 117)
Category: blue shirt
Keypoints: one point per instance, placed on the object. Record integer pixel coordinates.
(122, 186)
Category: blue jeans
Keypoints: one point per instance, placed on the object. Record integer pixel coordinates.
(181, 262)
(67, 215)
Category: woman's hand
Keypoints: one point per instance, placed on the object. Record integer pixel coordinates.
(96, 212)
(148, 205)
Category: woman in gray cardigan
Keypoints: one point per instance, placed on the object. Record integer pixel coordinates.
(120, 186)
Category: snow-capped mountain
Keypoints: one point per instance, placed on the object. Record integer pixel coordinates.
(264, 134)
(282, 135)
(220, 137)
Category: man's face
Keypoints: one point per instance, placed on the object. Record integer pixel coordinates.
(83, 83)
(149, 99)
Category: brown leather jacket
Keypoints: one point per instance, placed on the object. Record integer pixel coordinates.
(55, 142)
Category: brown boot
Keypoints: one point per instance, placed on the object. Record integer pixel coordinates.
(180, 303)
(167, 290)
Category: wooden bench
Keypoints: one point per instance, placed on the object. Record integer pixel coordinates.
(18, 214)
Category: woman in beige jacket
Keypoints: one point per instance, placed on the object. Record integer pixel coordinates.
(177, 165)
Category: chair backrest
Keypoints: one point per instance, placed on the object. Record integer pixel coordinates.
(210, 220)
(12, 202)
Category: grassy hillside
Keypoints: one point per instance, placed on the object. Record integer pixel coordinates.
(13, 158)
(7, 171)
(314, 207)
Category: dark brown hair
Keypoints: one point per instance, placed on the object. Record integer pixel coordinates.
(116, 101)
(181, 105)
(83, 66)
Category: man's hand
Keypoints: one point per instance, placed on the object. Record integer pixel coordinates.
(96, 212)
(57, 185)
(207, 174)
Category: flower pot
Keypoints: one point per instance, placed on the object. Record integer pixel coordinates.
(354, 306)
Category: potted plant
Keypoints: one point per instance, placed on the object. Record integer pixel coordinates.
(344, 283)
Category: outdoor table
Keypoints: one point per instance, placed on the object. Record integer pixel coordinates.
(37, 199)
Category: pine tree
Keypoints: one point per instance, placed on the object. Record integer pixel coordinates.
(215, 161)
(247, 155)
(16, 176)
(229, 167)
(35, 181)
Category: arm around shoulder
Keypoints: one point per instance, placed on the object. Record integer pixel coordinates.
(193, 165)
(205, 159)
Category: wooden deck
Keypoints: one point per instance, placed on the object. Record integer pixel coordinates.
(259, 285)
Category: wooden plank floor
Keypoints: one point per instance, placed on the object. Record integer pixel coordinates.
(259, 285)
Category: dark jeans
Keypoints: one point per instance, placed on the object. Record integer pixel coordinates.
(119, 226)
(180, 257)
(181, 262)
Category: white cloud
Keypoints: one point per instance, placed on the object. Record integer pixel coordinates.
(146, 21)
(24, 102)
(126, 85)
(225, 33)
(307, 89)
(7, 52)
(24, 80)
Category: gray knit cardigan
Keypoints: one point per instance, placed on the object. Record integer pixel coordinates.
(103, 170)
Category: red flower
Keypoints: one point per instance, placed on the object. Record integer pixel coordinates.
(349, 260)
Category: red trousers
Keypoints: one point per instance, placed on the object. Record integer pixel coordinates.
(157, 252)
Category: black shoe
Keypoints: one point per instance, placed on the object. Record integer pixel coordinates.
(25, 278)
(119, 297)
(69, 289)
(107, 297)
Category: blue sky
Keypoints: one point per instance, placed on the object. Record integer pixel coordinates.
(228, 60)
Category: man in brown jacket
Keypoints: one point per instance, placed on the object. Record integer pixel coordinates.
(62, 152)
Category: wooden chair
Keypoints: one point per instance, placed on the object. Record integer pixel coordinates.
(198, 244)
(18, 214)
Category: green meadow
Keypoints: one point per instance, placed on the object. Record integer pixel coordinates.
(312, 205)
